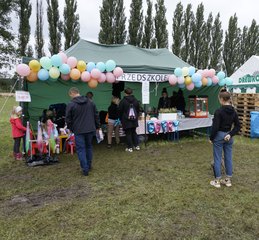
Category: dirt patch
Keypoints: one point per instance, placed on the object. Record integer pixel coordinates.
(21, 203)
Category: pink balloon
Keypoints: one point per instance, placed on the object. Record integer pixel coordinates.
(85, 76)
(211, 73)
(23, 69)
(172, 79)
(102, 78)
(95, 73)
(118, 72)
(63, 57)
(180, 80)
(205, 73)
(200, 72)
(190, 87)
(215, 80)
(65, 77)
(110, 78)
(72, 62)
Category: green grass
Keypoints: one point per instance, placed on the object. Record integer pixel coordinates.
(161, 192)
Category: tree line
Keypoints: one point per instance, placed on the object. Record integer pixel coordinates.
(200, 42)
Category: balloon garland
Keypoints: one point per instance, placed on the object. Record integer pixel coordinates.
(69, 68)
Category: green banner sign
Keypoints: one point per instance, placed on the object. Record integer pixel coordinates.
(249, 79)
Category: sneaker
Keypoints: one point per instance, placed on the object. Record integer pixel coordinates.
(137, 148)
(129, 150)
(215, 183)
(226, 182)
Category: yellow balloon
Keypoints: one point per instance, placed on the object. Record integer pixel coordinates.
(92, 83)
(34, 65)
(81, 65)
(32, 77)
(187, 80)
(54, 72)
(185, 71)
(204, 81)
(75, 74)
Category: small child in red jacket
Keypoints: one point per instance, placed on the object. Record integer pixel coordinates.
(18, 131)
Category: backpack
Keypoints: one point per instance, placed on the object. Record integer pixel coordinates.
(132, 113)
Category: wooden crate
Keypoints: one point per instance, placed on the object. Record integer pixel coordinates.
(244, 104)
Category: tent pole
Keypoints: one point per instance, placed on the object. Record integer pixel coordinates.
(145, 124)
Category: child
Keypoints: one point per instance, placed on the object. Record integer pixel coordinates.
(18, 131)
(222, 138)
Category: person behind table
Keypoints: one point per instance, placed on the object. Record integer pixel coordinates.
(90, 95)
(173, 100)
(164, 100)
(81, 119)
(129, 125)
(222, 138)
(113, 121)
(180, 101)
(18, 131)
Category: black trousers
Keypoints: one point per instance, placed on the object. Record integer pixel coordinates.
(17, 143)
(131, 137)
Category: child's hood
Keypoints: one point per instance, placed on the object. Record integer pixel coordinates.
(228, 109)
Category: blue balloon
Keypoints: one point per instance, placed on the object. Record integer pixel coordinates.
(90, 66)
(209, 81)
(43, 75)
(178, 72)
(222, 82)
(196, 77)
(64, 68)
(198, 84)
(110, 65)
(191, 71)
(56, 60)
(221, 75)
(182, 86)
(101, 66)
(229, 81)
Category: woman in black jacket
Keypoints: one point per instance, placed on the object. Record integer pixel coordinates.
(129, 112)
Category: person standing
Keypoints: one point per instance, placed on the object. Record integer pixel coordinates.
(81, 119)
(222, 138)
(164, 100)
(113, 121)
(128, 112)
(18, 131)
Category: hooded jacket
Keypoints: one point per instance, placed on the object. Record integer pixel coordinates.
(18, 130)
(223, 120)
(82, 116)
(124, 111)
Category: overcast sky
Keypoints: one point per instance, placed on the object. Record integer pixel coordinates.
(88, 10)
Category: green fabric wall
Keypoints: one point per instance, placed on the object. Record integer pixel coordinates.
(45, 93)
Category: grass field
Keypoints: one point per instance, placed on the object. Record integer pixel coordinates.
(160, 192)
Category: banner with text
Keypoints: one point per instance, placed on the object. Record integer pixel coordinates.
(143, 77)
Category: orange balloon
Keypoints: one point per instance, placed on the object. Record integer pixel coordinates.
(204, 81)
(32, 77)
(75, 74)
(93, 83)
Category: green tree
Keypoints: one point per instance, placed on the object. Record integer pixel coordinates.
(6, 35)
(243, 45)
(216, 44)
(177, 29)
(120, 23)
(153, 43)
(252, 41)
(232, 46)
(29, 51)
(197, 37)
(55, 26)
(205, 48)
(71, 23)
(187, 32)
(24, 13)
(107, 13)
(149, 26)
(39, 30)
(135, 23)
(161, 32)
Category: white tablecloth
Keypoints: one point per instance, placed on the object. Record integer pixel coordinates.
(184, 124)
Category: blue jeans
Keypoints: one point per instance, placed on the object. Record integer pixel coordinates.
(219, 145)
(84, 150)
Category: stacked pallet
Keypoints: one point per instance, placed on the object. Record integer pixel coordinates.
(244, 104)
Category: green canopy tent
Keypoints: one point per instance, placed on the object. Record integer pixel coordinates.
(133, 60)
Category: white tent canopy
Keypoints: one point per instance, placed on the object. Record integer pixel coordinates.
(247, 76)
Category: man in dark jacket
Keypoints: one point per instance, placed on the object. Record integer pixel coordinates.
(82, 120)
(128, 112)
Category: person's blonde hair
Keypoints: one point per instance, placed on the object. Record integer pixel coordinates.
(13, 112)
(115, 100)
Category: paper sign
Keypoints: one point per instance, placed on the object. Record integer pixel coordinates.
(22, 96)
(145, 93)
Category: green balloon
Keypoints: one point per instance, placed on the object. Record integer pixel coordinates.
(45, 62)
